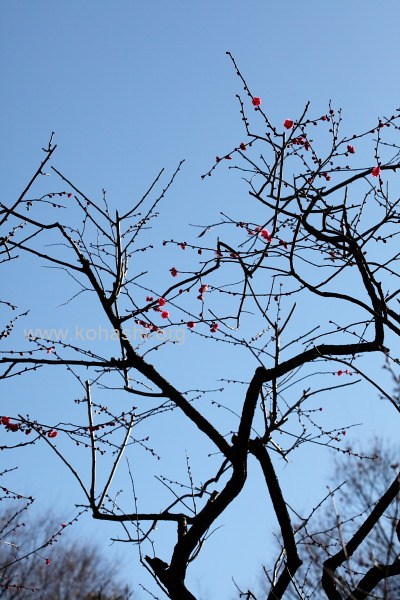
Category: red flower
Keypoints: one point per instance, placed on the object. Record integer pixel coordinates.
(266, 235)
(217, 159)
(183, 245)
(173, 272)
(350, 149)
(48, 561)
(162, 302)
(5, 420)
(288, 124)
(52, 433)
(284, 244)
(227, 157)
(50, 350)
(242, 146)
(149, 298)
(256, 101)
(340, 372)
(214, 327)
(12, 426)
(164, 314)
(376, 171)
(203, 288)
(191, 324)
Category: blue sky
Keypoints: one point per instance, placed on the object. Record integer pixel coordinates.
(130, 87)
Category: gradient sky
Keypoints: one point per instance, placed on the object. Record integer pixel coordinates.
(130, 87)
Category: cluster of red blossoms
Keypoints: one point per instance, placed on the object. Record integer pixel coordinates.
(213, 327)
(146, 325)
(161, 302)
(242, 146)
(6, 421)
(301, 141)
(265, 234)
(164, 313)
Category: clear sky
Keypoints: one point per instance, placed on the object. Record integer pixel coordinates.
(130, 87)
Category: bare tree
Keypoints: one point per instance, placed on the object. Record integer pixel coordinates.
(301, 286)
(36, 563)
(359, 481)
